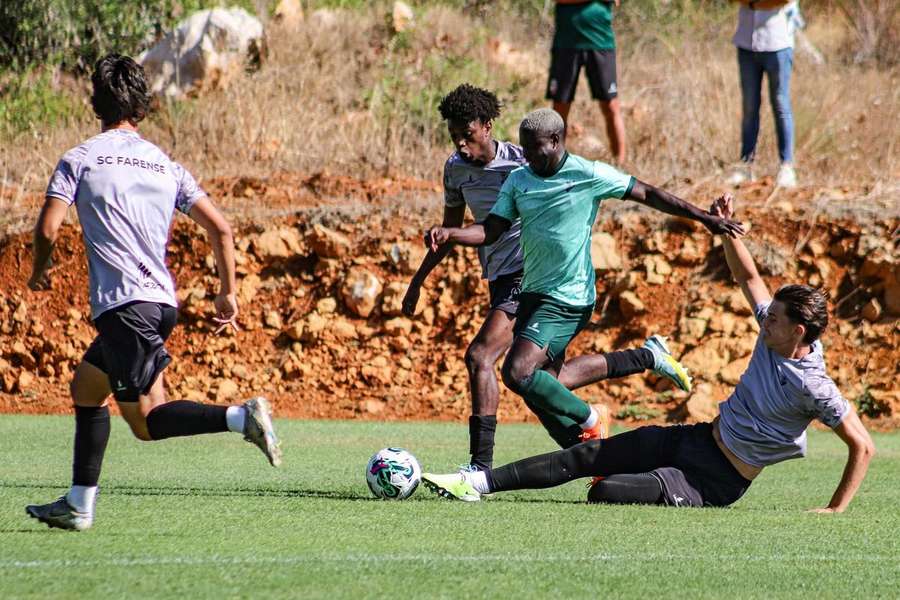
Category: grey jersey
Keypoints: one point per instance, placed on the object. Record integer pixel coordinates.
(477, 187)
(125, 190)
(764, 421)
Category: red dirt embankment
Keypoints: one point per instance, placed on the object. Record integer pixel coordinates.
(324, 261)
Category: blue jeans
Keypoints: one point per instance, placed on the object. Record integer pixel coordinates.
(777, 66)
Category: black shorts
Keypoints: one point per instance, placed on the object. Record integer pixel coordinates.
(130, 346)
(699, 473)
(685, 459)
(504, 292)
(565, 66)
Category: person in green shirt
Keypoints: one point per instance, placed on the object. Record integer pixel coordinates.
(584, 37)
(556, 196)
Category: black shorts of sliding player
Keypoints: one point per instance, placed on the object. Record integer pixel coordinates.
(691, 468)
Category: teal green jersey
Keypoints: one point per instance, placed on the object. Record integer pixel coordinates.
(586, 26)
(557, 214)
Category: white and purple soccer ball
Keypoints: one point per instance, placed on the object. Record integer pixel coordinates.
(393, 474)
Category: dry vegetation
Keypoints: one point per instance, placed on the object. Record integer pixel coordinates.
(343, 93)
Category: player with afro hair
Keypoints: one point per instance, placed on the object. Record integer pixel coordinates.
(469, 103)
(473, 176)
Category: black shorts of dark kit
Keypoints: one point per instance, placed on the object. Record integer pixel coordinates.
(130, 346)
(565, 66)
(684, 459)
(687, 462)
(504, 292)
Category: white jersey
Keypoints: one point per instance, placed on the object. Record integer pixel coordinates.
(764, 421)
(477, 187)
(125, 190)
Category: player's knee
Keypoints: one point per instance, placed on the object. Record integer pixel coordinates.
(141, 434)
(601, 492)
(517, 376)
(139, 429)
(479, 357)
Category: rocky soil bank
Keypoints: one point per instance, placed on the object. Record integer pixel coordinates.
(320, 290)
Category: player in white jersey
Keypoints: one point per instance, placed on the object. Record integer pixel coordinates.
(762, 423)
(126, 190)
(473, 176)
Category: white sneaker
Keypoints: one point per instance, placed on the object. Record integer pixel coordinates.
(258, 429)
(60, 514)
(787, 177)
(739, 174)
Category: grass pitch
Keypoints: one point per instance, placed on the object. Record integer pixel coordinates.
(207, 517)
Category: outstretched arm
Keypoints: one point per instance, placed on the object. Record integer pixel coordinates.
(209, 218)
(479, 234)
(668, 203)
(45, 232)
(743, 269)
(860, 452)
(453, 217)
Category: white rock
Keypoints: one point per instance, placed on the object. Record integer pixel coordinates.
(204, 51)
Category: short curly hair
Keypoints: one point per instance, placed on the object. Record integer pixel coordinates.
(469, 103)
(120, 90)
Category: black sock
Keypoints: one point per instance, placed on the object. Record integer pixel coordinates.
(630, 488)
(183, 417)
(628, 362)
(91, 436)
(546, 470)
(481, 440)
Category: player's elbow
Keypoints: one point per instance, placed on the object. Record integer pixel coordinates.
(221, 232)
(863, 448)
(869, 449)
(46, 232)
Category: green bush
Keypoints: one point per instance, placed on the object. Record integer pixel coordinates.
(75, 33)
(31, 97)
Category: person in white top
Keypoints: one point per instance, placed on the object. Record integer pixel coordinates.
(126, 191)
(765, 46)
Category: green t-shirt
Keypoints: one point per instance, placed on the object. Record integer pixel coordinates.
(585, 26)
(557, 214)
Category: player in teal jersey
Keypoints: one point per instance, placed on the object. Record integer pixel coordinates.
(556, 197)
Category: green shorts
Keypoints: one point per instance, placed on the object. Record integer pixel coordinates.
(549, 323)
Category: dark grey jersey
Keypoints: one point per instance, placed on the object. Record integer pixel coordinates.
(477, 187)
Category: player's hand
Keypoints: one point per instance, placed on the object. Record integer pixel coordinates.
(723, 206)
(226, 312)
(410, 300)
(436, 237)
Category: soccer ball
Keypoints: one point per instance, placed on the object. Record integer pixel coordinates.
(393, 474)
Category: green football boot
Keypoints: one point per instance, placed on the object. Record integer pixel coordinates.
(454, 486)
(665, 365)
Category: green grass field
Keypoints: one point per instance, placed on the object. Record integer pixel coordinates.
(207, 517)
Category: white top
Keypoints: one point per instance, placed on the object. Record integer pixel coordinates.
(764, 421)
(126, 191)
(477, 187)
(767, 30)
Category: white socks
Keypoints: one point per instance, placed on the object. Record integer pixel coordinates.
(235, 417)
(478, 480)
(591, 420)
(82, 498)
